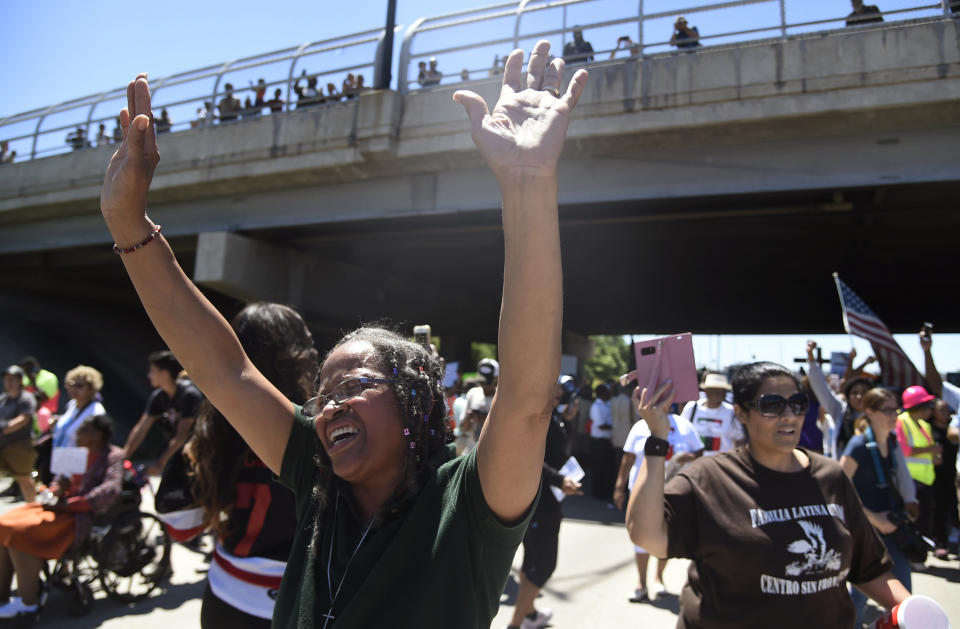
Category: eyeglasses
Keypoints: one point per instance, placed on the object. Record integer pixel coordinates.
(774, 405)
(346, 390)
(887, 411)
(78, 384)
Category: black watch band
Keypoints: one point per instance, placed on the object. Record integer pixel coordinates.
(655, 446)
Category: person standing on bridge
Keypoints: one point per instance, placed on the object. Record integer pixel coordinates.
(684, 36)
(775, 532)
(391, 529)
(863, 14)
(579, 50)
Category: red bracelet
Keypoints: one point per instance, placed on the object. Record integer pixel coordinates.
(156, 232)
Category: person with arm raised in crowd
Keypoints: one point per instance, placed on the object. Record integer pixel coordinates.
(774, 531)
(391, 529)
(845, 410)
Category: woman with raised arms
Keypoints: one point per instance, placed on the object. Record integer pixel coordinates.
(392, 531)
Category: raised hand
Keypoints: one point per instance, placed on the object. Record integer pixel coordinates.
(653, 406)
(811, 347)
(124, 192)
(525, 133)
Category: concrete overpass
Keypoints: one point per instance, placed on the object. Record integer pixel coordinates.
(712, 191)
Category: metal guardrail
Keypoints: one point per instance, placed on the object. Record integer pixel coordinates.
(527, 16)
(159, 87)
(562, 27)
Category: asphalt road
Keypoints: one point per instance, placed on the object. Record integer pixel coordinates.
(595, 574)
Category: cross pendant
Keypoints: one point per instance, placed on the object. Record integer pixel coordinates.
(328, 616)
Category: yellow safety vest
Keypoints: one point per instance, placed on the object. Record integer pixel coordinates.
(920, 465)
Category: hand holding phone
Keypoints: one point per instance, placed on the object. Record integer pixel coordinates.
(669, 358)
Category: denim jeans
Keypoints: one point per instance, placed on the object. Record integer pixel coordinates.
(901, 570)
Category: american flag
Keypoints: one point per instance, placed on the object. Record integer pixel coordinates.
(896, 369)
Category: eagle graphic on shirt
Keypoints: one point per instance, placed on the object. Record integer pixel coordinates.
(816, 556)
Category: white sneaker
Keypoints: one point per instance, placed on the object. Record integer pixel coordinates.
(15, 607)
(639, 595)
(656, 590)
(544, 614)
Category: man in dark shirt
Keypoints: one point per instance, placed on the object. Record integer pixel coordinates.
(578, 50)
(175, 401)
(17, 408)
(863, 14)
(684, 36)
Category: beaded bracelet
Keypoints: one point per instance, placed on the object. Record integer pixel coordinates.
(156, 231)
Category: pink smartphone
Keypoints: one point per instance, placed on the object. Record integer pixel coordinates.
(668, 358)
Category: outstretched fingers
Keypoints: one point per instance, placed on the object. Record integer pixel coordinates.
(575, 89)
(144, 108)
(131, 99)
(474, 104)
(124, 122)
(536, 66)
(512, 71)
(553, 76)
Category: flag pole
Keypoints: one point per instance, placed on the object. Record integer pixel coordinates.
(843, 307)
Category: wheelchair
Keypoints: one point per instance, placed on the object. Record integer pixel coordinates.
(126, 554)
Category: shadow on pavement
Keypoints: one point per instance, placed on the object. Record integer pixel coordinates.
(103, 609)
(668, 601)
(944, 572)
(589, 509)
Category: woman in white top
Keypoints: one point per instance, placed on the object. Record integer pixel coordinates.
(83, 387)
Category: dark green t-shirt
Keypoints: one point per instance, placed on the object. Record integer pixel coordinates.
(441, 560)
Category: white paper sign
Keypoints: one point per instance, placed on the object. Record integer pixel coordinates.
(69, 461)
(572, 469)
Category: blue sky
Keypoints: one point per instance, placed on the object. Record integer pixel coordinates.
(56, 50)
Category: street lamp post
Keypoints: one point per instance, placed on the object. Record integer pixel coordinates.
(386, 59)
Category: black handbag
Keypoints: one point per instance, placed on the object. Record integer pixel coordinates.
(913, 544)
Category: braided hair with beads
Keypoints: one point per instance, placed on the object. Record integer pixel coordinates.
(418, 389)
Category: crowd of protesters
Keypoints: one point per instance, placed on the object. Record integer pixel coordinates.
(899, 450)
(399, 493)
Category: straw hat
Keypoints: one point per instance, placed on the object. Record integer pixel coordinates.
(715, 381)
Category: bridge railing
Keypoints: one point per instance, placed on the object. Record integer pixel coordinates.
(43, 132)
(648, 24)
(490, 31)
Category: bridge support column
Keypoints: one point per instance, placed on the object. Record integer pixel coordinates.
(340, 293)
(578, 346)
(246, 269)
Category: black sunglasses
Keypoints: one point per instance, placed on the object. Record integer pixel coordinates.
(774, 405)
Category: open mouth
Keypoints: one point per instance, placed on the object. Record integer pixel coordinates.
(341, 436)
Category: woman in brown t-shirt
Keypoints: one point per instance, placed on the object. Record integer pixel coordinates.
(775, 532)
